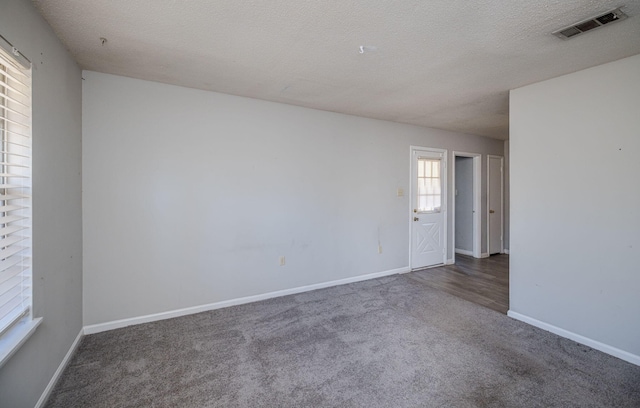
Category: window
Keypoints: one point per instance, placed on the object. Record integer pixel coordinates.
(15, 189)
(429, 185)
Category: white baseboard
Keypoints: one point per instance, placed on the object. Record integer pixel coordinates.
(506, 251)
(117, 324)
(605, 348)
(464, 252)
(450, 261)
(484, 255)
(56, 376)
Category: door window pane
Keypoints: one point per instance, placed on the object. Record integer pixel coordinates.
(429, 185)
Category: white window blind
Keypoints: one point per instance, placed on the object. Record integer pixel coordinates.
(15, 186)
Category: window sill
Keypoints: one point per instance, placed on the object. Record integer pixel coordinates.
(15, 337)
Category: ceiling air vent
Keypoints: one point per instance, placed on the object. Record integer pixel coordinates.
(589, 24)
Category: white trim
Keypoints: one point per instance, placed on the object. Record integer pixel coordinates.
(444, 154)
(464, 252)
(477, 201)
(477, 205)
(16, 336)
(484, 255)
(450, 261)
(56, 376)
(117, 324)
(493, 156)
(506, 251)
(605, 348)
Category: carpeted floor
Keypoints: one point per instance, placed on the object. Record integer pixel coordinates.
(389, 342)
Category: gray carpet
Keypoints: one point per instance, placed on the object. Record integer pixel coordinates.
(389, 342)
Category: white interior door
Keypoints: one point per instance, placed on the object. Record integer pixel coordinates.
(428, 208)
(494, 205)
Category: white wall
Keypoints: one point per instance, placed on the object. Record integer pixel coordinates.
(190, 197)
(575, 200)
(464, 203)
(507, 201)
(57, 223)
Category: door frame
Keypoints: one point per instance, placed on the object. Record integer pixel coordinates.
(444, 202)
(492, 156)
(477, 202)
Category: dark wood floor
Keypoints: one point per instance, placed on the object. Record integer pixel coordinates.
(482, 281)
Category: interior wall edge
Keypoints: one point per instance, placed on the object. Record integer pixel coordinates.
(594, 344)
(117, 324)
(58, 373)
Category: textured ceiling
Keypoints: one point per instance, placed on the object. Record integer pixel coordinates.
(443, 63)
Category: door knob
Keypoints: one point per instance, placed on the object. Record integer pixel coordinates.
(416, 219)
(491, 211)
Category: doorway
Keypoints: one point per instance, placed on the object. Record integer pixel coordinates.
(466, 204)
(428, 207)
(495, 204)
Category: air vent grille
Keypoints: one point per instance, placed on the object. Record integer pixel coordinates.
(589, 24)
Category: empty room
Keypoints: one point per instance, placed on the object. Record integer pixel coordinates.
(217, 203)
